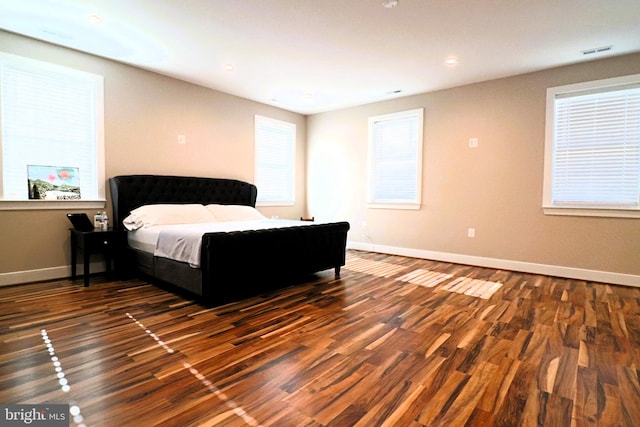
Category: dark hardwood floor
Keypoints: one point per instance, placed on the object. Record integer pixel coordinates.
(395, 342)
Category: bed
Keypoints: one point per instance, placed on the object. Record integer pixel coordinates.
(232, 264)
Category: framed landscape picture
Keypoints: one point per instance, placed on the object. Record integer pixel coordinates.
(53, 182)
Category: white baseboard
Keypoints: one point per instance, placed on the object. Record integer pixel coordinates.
(503, 264)
(28, 276)
(52, 273)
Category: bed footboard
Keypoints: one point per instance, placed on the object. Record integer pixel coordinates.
(238, 264)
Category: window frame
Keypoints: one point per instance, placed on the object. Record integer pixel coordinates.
(416, 202)
(288, 196)
(98, 139)
(577, 208)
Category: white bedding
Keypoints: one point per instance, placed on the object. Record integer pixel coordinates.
(182, 242)
(144, 239)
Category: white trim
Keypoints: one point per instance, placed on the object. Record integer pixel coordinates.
(414, 206)
(261, 122)
(576, 89)
(51, 273)
(606, 213)
(29, 276)
(25, 205)
(98, 82)
(418, 114)
(595, 85)
(503, 264)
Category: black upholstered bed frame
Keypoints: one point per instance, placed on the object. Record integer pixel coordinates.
(234, 265)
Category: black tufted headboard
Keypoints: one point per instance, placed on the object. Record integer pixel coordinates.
(131, 191)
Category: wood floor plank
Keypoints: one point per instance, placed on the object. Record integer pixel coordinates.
(630, 390)
(441, 398)
(585, 402)
(465, 403)
(395, 341)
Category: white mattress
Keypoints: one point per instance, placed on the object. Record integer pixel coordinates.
(144, 239)
(183, 242)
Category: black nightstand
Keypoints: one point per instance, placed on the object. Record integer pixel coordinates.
(108, 242)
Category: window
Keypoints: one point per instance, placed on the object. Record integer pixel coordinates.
(592, 149)
(395, 160)
(275, 143)
(52, 127)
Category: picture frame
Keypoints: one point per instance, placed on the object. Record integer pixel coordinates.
(53, 182)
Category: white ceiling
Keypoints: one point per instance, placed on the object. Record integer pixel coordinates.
(310, 56)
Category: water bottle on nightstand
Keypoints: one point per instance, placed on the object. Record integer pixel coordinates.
(105, 221)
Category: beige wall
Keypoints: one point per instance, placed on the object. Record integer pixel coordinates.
(144, 113)
(495, 188)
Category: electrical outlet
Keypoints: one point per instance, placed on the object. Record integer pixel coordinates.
(473, 142)
(182, 139)
(471, 232)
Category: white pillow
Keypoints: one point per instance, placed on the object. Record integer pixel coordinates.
(234, 212)
(164, 214)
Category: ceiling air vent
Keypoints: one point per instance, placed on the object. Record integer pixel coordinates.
(596, 50)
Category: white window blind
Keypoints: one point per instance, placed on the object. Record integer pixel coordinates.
(51, 116)
(275, 161)
(395, 160)
(596, 148)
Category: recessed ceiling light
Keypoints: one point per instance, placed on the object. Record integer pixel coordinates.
(95, 19)
(228, 67)
(308, 95)
(451, 60)
(389, 4)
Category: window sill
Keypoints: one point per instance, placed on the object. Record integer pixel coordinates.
(403, 206)
(20, 205)
(594, 212)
